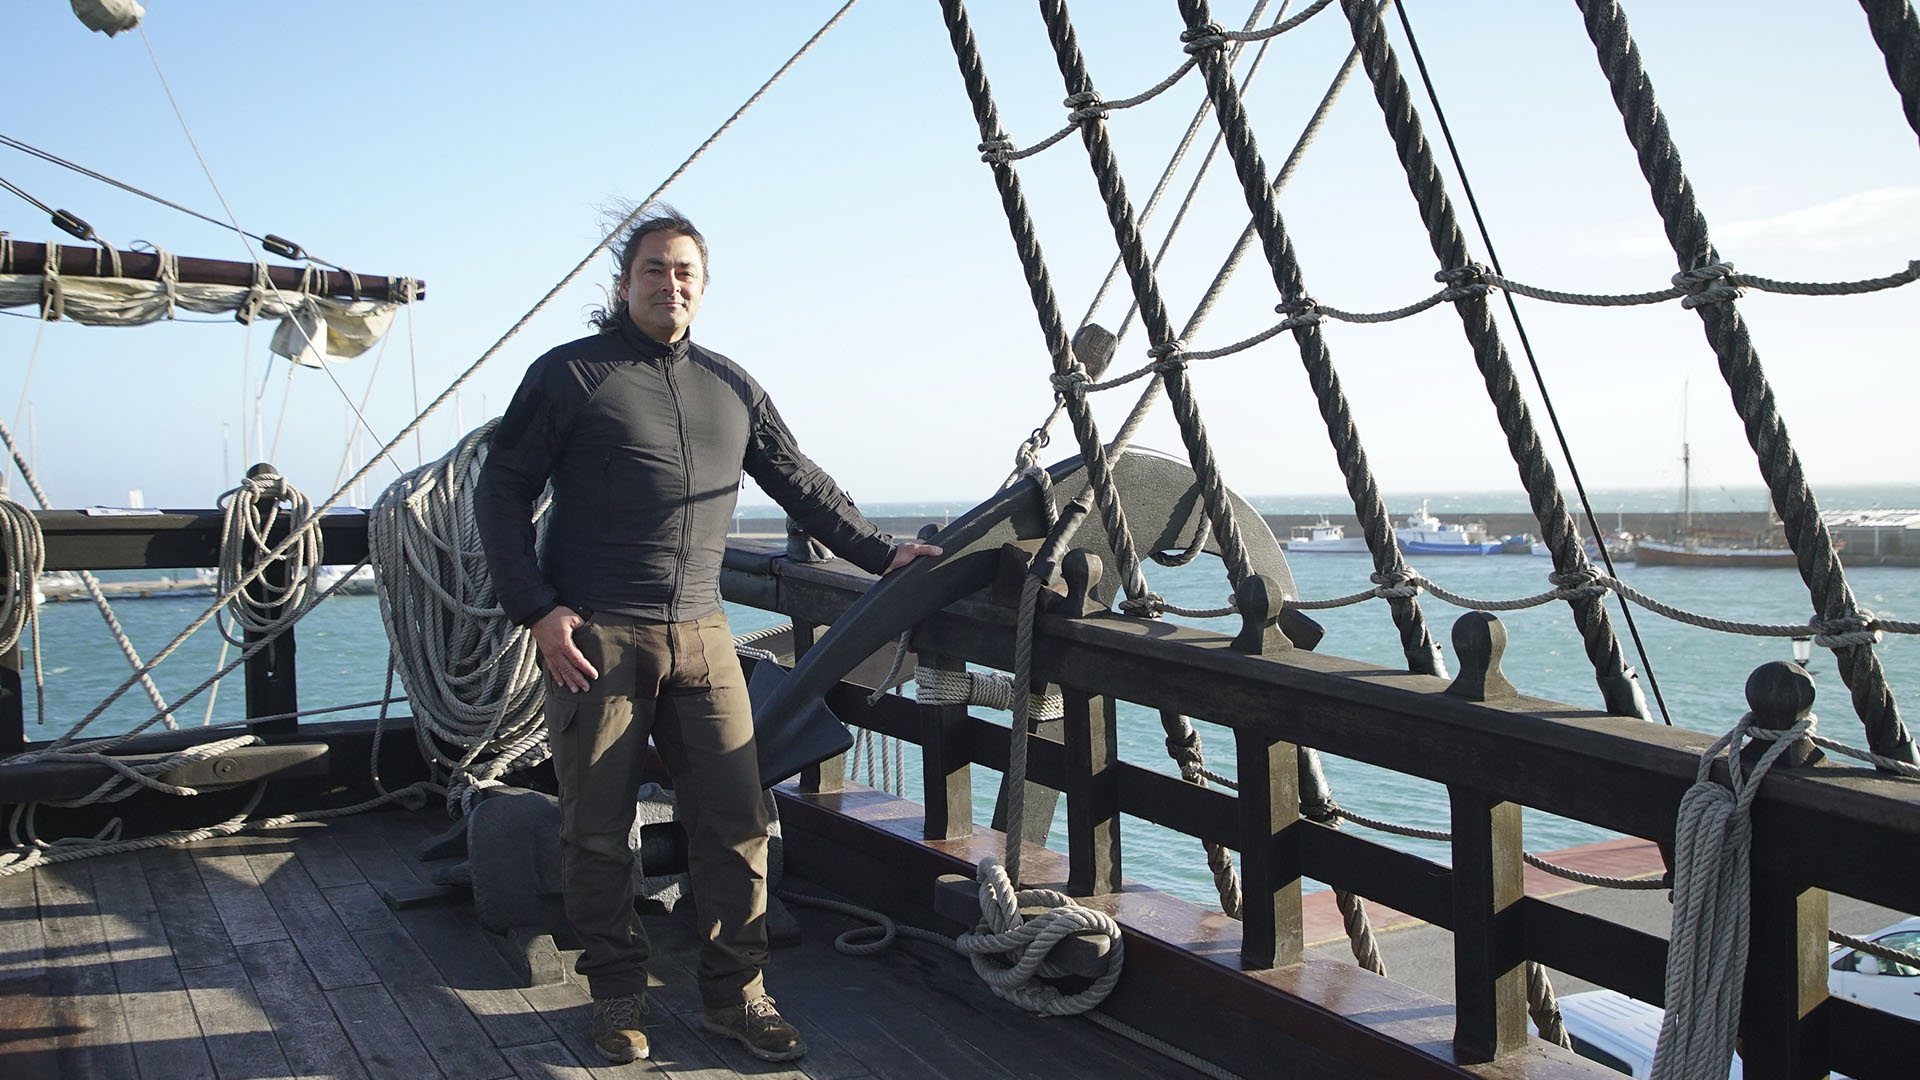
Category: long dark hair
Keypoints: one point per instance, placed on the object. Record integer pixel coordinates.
(659, 218)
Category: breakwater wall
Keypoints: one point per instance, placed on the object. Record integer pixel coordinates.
(1861, 546)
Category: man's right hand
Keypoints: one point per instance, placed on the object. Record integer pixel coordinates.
(553, 633)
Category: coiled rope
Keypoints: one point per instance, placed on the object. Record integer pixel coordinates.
(269, 590)
(471, 675)
(1707, 950)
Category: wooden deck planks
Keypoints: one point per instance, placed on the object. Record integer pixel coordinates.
(439, 1017)
(22, 947)
(193, 925)
(84, 1003)
(326, 946)
(238, 1034)
(311, 1036)
(246, 957)
(153, 998)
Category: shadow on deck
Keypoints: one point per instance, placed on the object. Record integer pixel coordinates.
(273, 954)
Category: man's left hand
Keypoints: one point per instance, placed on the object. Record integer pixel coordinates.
(909, 550)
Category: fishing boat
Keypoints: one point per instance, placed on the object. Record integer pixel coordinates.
(1323, 537)
(1423, 534)
(302, 895)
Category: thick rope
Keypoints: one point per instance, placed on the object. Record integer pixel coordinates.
(25, 551)
(1898, 35)
(1618, 686)
(1009, 951)
(882, 931)
(1093, 452)
(1753, 398)
(1120, 216)
(994, 689)
(1423, 655)
(250, 513)
(1707, 950)
(1183, 746)
(472, 676)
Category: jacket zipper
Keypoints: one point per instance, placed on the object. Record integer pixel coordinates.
(686, 500)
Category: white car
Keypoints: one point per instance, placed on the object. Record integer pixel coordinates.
(1617, 1031)
(1876, 983)
(1621, 1032)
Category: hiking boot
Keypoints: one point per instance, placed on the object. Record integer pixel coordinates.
(618, 1028)
(758, 1027)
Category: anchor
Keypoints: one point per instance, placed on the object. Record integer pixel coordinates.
(1165, 511)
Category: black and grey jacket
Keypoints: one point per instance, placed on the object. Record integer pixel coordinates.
(644, 444)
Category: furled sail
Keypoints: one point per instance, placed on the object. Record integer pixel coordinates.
(314, 328)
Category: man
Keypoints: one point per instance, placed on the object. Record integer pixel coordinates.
(643, 435)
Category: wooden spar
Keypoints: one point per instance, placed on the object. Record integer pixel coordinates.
(22, 257)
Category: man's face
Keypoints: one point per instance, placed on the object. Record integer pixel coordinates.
(664, 285)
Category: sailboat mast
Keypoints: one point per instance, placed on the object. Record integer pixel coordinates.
(1686, 468)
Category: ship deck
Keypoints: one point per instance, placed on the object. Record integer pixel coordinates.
(273, 954)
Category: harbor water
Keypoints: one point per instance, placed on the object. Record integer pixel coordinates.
(1698, 674)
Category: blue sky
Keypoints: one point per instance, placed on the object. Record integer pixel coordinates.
(862, 267)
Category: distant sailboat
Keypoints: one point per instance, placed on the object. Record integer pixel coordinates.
(1710, 547)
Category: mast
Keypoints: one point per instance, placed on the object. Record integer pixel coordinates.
(1686, 469)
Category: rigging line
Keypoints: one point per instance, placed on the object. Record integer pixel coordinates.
(1173, 163)
(234, 223)
(33, 359)
(453, 389)
(1526, 346)
(1206, 163)
(17, 190)
(351, 440)
(7, 140)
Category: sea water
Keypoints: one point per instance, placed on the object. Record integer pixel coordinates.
(1699, 674)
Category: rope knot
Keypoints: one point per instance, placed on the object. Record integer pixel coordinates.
(1397, 585)
(1147, 606)
(1086, 105)
(1169, 355)
(1463, 282)
(997, 150)
(1204, 38)
(1709, 284)
(266, 485)
(1185, 749)
(1581, 584)
(1072, 382)
(1303, 310)
(1858, 627)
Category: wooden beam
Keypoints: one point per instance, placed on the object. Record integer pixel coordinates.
(89, 261)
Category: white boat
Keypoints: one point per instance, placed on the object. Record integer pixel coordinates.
(1324, 537)
(1424, 534)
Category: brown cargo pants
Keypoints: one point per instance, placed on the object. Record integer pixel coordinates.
(680, 683)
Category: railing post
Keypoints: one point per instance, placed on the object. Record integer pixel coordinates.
(946, 773)
(1786, 980)
(1093, 794)
(1269, 803)
(1489, 973)
(13, 712)
(271, 681)
(1787, 922)
(829, 775)
(1041, 800)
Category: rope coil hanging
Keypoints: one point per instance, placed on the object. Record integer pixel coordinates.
(251, 513)
(471, 676)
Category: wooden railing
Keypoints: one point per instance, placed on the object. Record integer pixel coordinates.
(1825, 826)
